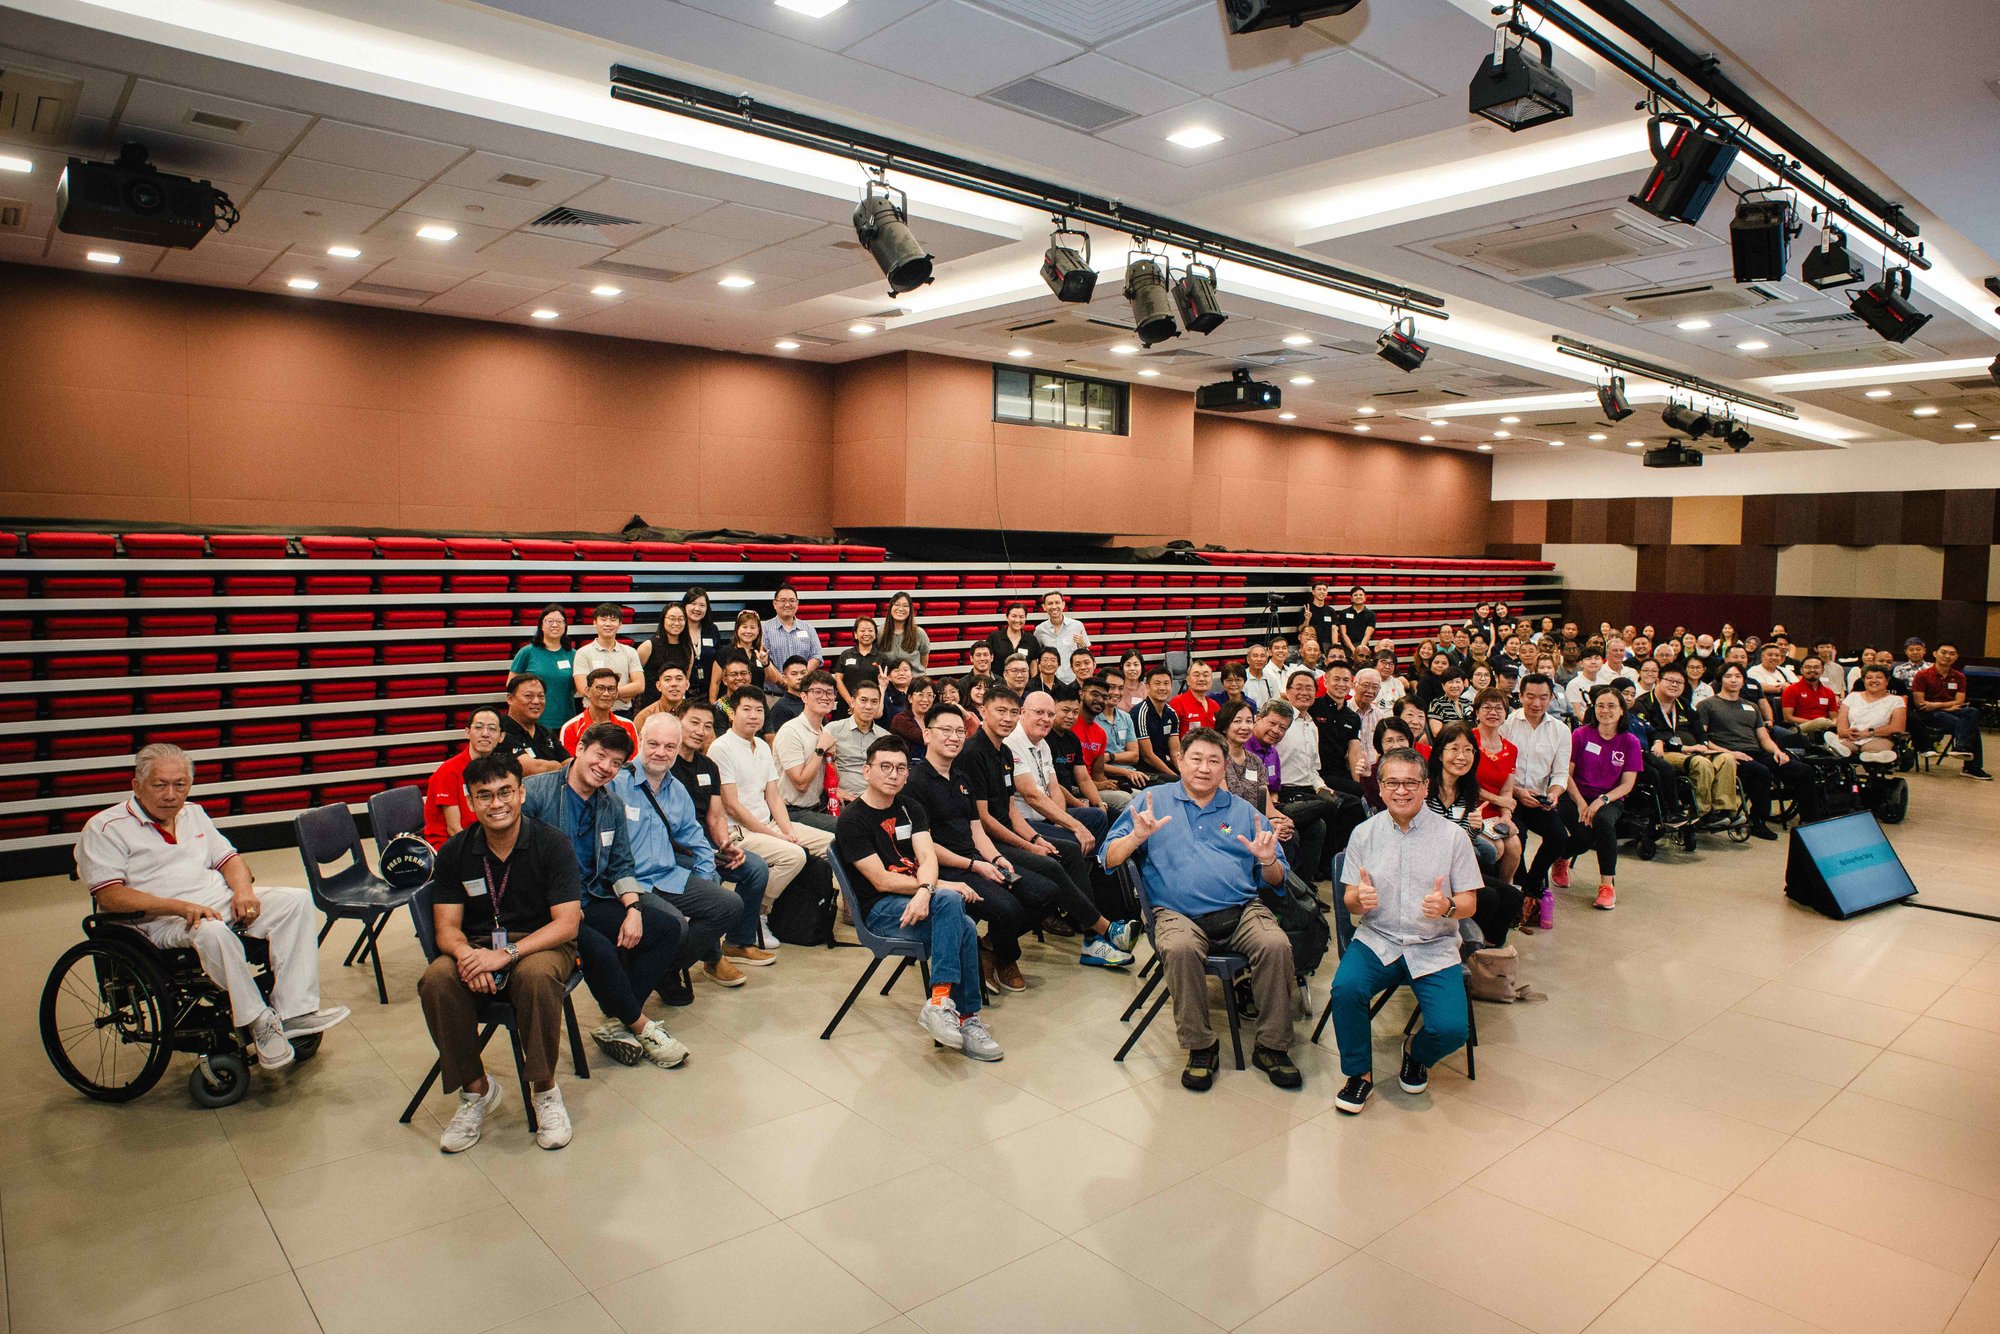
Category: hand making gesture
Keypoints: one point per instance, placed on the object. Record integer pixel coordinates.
(1265, 846)
(1365, 896)
(1145, 824)
(1437, 903)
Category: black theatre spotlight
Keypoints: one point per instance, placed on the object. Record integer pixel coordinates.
(1399, 347)
(1885, 307)
(882, 226)
(1994, 370)
(1737, 438)
(1066, 268)
(1194, 297)
(1688, 166)
(1146, 292)
(1513, 89)
(1689, 420)
(1829, 264)
(1611, 398)
(1257, 15)
(1760, 239)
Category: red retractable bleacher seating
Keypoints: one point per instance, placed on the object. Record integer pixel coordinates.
(72, 546)
(188, 700)
(481, 650)
(84, 745)
(261, 623)
(338, 585)
(16, 750)
(249, 546)
(715, 551)
(340, 726)
(541, 548)
(605, 551)
(338, 622)
(402, 654)
(411, 548)
(264, 695)
(486, 616)
(335, 761)
(289, 799)
(426, 720)
(83, 666)
(341, 690)
(426, 752)
(16, 628)
(264, 733)
(767, 551)
(259, 586)
(864, 553)
(479, 548)
(254, 767)
(548, 584)
(174, 586)
(663, 552)
(604, 583)
(479, 683)
(187, 738)
(176, 664)
(262, 659)
(346, 794)
(71, 586)
(178, 624)
(340, 655)
(414, 687)
(321, 546)
(97, 704)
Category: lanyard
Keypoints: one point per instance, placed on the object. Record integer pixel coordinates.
(497, 888)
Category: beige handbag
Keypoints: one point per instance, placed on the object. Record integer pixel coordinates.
(1493, 975)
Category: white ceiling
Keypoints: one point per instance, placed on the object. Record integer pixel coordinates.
(364, 119)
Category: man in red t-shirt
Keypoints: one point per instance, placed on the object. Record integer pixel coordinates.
(446, 810)
(1938, 691)
(1193, 706)
(1808, 703)
(600, 697)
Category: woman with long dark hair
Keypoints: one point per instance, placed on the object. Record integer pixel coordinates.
(669, 644)
(549, 659)
(1455, 794)
(1605, 760)
(748, 639)
(901, 639)
(701, 636)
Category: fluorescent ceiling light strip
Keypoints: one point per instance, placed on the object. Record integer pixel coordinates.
(1922, 370)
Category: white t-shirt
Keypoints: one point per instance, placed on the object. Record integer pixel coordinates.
(749, 765)
(622, 659)
(796, 741)
(1033, 758)
(1774, 683)
(1871, 713)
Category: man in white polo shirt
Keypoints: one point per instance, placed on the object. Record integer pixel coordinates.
(159, 854)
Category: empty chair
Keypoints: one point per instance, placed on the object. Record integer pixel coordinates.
(327, 835)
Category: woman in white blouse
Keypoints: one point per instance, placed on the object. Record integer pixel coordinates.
(1869, 719)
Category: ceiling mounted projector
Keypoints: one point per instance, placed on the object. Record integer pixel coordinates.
(1239, 393)
(1257, 15)
(1673, 454)
(132, 200)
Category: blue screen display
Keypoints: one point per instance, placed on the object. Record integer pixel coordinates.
(1860, 867)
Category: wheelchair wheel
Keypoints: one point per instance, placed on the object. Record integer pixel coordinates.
(1894, 802)
(225, 1080)
(307, 1047)
(106, 1025)
(1739, 832)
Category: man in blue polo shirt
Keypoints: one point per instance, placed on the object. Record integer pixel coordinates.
(787, 637)
(1206, 854)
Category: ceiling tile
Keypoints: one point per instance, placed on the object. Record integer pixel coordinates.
(280, 217)
(1108, 80)
(1341, 87)
(376, 150)
(532, 252)
(553, 185)
(102, 88)
(646, 203)
(453, 203)
(426, 277)
(1185, 50)
(686, 251)
(1239, 130)
(395, 236)
(350, 185)
(162, 106)
(784, 262)
(204, 159)
(757, 225)
(843, 27)
(477, 298)
(967, 50)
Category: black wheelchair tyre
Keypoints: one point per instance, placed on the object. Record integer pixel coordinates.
(223, 1082)
(106, 1019)
(1894, 803)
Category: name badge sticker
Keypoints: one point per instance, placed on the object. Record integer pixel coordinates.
(562, 664)
(631, 812)
(1592, 748)
(475, 889)
(604, 836)
(902, 831)
(701, 780)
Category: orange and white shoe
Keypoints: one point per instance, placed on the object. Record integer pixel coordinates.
(1607, 898)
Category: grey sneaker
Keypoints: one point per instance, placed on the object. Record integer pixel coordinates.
(616, 1041)
(267, 1035)
(661, 1047)
(552, 1128)
(940, 1020)
(470, 1118)
(979, 1044)
(317, 1021)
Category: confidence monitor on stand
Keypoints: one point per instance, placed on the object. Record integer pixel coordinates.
(1844, 866)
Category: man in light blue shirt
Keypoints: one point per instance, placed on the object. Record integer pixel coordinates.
(787, 637)
(671, 856)
(1206, 853)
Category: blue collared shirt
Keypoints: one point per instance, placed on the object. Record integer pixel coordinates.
(1118, 730)
(1194, 865)
(801, 641)
(1404, 865)
(596, 830)
(657, 845)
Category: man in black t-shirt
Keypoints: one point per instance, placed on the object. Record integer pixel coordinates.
(1356, 626)
(522, 735)
(884, 844)
(506, 910)
(1319, 614)
(989, 771)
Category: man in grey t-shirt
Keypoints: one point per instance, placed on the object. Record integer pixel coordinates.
(852, 735)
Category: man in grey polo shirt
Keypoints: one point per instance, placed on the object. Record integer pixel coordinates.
(787, 637)
(1410, 875)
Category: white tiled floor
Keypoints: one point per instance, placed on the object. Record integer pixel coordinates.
(1730, 1115)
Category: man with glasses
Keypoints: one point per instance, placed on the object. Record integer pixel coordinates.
(787, 637)
(600, 698)
(802, 749)
(446, 807)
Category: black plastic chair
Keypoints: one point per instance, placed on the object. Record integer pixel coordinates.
(393, 811)
(1343, 935)
(495, 1012)
(905, 952)
(1225, 966)
(327, 835)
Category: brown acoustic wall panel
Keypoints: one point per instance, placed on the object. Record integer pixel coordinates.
(1968, 517)
(1652, 520)
(1922, 518)
(1965, 573)
(1559, 521)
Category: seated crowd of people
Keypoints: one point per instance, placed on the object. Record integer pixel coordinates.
(634, 811)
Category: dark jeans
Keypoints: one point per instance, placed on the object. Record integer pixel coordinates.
(1066, 895)
(1441, 995)
(1081, 866)
(1337, 821)
(812, 817)
(1548, 826)
(622, 979)
(749, 879)
(1963, 727)
(1600, 835)
(707, 911)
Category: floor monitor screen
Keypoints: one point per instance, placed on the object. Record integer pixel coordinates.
(1861, 869)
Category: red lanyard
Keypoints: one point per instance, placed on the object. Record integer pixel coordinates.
(496, 888)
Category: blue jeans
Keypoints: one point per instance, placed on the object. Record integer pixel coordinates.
(1962, 725)
(950, 935)
(1362, 977)
(749, 879)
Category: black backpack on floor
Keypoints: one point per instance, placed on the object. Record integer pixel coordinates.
(1303, 918)
(804, 913)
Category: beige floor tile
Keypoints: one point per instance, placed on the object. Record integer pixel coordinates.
(803, 1160)
(1666, 997)
(166, 1259)
(277, 1305)
(1607, 1194)
(617, 1135)
(320, 1212)
(1550, 1277)
(950, 1105)
(1440, 1131)
(578, 1315)
(465, 1275)
(1969, 1006)
(1823, 1012)
(1339, 1184)
(1671, 1301)
(1916, 1141)
(1877, 986)
(757, 1016)
(717, 1092)
(1719, 946)
(1067, 1172)
(1569, 1032)
(307, 1125)
(1748, 1091)
(1239, 1260)
(1373, 1297)
(1895, 952)
(1520, 1084)
(1197, 1129)
(849, 1062)
(887, 1235)
(1073, 1067)
(1678, 1136)
(1978, 1312)
(1974, 1049)
(1817, 1273)
(1925, 1219)
(1983, 975)
(1783, 1048)
(42, 1197)
(771, 1278)
(45, 1121)
(1053, 1289)
(1931, 1086)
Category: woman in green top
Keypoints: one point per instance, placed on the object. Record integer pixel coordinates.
(548, 659)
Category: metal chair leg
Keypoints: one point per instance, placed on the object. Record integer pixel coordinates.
(904, 962)
(1235, 1019)
(1324, 1016)
(1471, 1035)
(437, 1072)
(360, 942)
(1144, 1024)
(327, 930)
(853, 994)
(521, 1074)
(1140, 999)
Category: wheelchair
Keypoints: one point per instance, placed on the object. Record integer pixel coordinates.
(1649, 820)
(117, 1007)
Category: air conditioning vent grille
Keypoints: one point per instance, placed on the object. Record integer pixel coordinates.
(390, 290)
(625, 269)
(1046, 101)
(575, 217)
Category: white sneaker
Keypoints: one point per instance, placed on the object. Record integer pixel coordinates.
(1839, 747)
(616, 1041)
(661, 1047)
(552, 1128)
(267, 1035)
(770, 940)
(940, 1020)
(470, 1118)
(318, 1021)
(977, 1042)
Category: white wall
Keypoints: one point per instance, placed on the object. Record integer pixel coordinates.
(1909, 465)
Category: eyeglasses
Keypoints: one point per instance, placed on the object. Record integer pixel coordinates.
(1400, 784)
(892, 770)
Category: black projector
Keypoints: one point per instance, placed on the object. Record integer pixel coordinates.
(1239, 393)
(1673, 454)
(1256, 15)
(132, 200)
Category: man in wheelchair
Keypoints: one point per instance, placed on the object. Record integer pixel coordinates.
(159, 854)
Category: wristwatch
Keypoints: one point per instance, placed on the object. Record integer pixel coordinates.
(513, 955)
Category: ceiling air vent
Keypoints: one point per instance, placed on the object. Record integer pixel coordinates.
(518, 181)
(13, 217)
(1680, 303)
(210, 120)
(1064, 330)
(625, 269)
(1046, 101)
(572, 217)
(1555, 287)
(1606, 236)
(396, 293)
(37, 106)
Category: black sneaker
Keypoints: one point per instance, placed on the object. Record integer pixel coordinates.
(1278, 1065)
(1758, 829)
(1353, 1095)
(1414, 1077)
(675, 988)
(1972, 772)
(1199, 1076)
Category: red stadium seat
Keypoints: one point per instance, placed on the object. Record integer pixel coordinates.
(423, 721)
(338, 585)
(264, 696)
(254, 767)
(174, 586)
(82, 666)
(405, 653)
(260, 803)
(597, 550)
(183, 700)
(324, 622)
(767, 551)
(340, 655)
(72, 546)
(604, 583)
(336, 761)
(105, 705)
(541, 583)
(262, 659)
(479, 548)
(259, 585)
(153, 625)
(249, 546)
(187, 738)
(536, 548)
(18, 789)
(261, 622)
(82, 586)
(479, 683)
(326, 547)
(410, 548)
(16, 750)
(176, 664)
(481, 650)
(428, 752)
(715, 551)
(412, 618)
(23, 826)
(414, 687)
(164, 546)
(407, 584)
(346, 794)
(485, 616)
(342, 690)
(263, 734)
(84, 745)
(476, 583)
(16, 710)
(85, 627)
(662, 552)
(90, 781)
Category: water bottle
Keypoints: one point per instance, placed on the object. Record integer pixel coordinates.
(830, 780)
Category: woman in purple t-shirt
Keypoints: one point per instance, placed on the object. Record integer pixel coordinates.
(1604, 763)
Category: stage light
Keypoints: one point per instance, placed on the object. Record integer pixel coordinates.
(1195, 299)
(1829, 264)
(1398, 345)
(1516, 91)
(1688, 420)
(1885, 307)
(1152, 304)
(1611, 398)
(1760, 239)
(1737, 438)
(1066, 268)
(882, 226)
(1994, 370)
(1688, 167)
